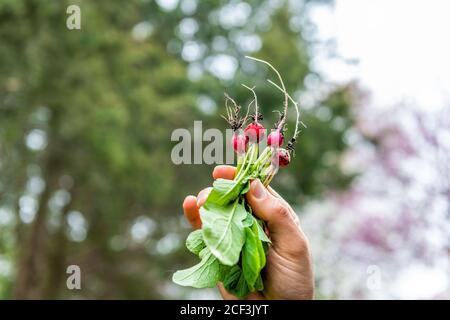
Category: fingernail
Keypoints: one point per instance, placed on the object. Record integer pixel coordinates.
(202, 196)
(258, 190)
(201, 200)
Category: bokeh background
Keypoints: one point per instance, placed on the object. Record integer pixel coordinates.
(86, 118)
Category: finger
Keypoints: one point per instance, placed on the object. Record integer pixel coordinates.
(224, 172)
(275, 211)
(191, 212)
(276, 194)
(202, 196)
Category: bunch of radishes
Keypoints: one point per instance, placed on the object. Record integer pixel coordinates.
(255, 131)
(232, 243)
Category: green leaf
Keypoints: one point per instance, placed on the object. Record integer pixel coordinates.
(265, 246)
(259, 246)
(223, 231)
(232, 277)
(261, 233)
(246, 187)
(241, 290)
(203, 253)
(235, 283)
(205, 274)
(248, 221)
(194, 242)
(224, 191)
(253, 256)
(251, 264)
(223, 272)
(259, 285)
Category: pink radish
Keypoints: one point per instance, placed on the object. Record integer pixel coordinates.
(275, 138)
(254, 131)
(239, 142)
(283, 157)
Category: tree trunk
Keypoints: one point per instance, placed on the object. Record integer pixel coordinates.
(28, 275)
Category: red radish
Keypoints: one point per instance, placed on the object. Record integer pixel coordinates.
(254, 131)
(283, 158)
(239, 142)
(275, 138)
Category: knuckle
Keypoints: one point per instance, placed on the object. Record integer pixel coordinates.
(280, 210)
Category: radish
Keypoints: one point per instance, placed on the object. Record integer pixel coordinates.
(287, 98)
(275, 138)
(282, 158)
(254, 131)
(239, 143)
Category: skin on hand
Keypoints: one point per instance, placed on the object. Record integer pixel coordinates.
(288, 273)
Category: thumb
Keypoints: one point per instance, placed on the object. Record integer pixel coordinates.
(278, 215)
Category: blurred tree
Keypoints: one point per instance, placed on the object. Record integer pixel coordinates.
(85, 123)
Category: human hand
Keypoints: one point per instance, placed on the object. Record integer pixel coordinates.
(288, 273)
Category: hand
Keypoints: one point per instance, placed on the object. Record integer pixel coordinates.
(288, 273)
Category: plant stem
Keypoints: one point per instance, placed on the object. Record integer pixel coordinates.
(240, 160)
(296, 131)
(256, 101)
(262, 160)
(283, 121)
(267, 176)
(242, 164)
(248, 161)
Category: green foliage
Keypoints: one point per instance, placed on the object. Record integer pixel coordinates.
(223, 231)
(224, 191)
(230, 232)
(253, 256)
(205, 274)
(235, 282)
(194, 242)
(261, 233)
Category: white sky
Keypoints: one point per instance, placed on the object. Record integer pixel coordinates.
(403, 53)
(403, 48)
